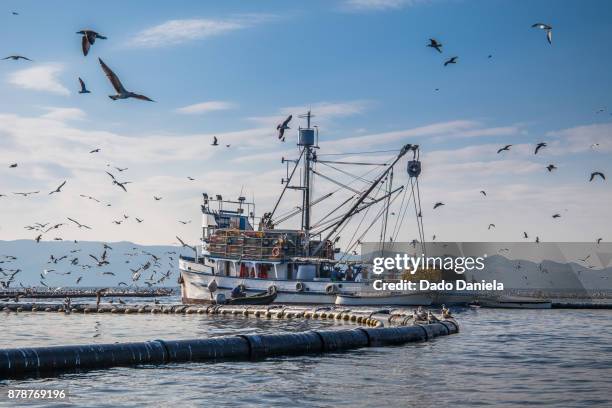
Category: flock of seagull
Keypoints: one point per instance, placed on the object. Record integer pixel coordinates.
(88, 39)
(437, 45)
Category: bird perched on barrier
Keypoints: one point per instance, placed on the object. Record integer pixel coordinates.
(446, 313)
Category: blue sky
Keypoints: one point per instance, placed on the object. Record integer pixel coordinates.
(361, 65)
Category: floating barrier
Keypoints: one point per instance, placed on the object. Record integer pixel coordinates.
(83, 293)
(20, 362)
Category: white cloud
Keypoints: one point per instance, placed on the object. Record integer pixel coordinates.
(580, 138)
(324, 111)
(204, 107)
(174, 32)
(62, 114)
(378, 4)
(40, 78)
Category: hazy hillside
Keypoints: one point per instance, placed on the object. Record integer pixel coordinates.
(33, 259)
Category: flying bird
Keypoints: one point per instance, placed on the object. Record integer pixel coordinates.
(506, 148)
(16, 57)
(438, 204)
(78, 223)
(281, 127)
(551, 167)
(89, 38)
(546, 28)
(556, 216)
(190, 178)
(215, 141)
(525, 235)
(95, 150)
(484, 193)
(491, 226)
(157, 198)
(58, 189)
(184, 245)
(27, 194)
(539, 146)
(84, 89)
(122, 93)
(139, 220)
(12, 166)
(435, 44)
(452, 60)
(597, 173)
(117, 183)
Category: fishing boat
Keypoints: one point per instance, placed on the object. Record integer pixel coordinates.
(241, 252)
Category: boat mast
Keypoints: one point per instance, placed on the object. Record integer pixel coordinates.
(307, 140)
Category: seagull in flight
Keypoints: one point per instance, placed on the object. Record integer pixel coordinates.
(84, 89)
(435, 44)
(484, 193)
(95, 150)
(89, 38)
(438, 204)
(546, 28)
(12, 166)
(122, 93)
(78, 223)
(28, 193)
(281, 127)
(215, 141)
(452, 60)
(597, 173)
(157, 198)
(184, 245)
(16, 58)
(551, 167)
(506, 148)
(58, 189)
(539, 146)
(117, 183)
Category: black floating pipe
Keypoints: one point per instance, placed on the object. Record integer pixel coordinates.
(34, 361)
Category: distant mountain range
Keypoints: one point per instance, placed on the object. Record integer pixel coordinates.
(35, 258)
(547, 275)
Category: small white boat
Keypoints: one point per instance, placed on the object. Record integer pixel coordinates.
(507, 302)
(384, 299)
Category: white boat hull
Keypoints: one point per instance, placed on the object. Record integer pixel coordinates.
(196, 277)
(510, 303)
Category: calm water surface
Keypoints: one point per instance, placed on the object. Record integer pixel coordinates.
(560, 358)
